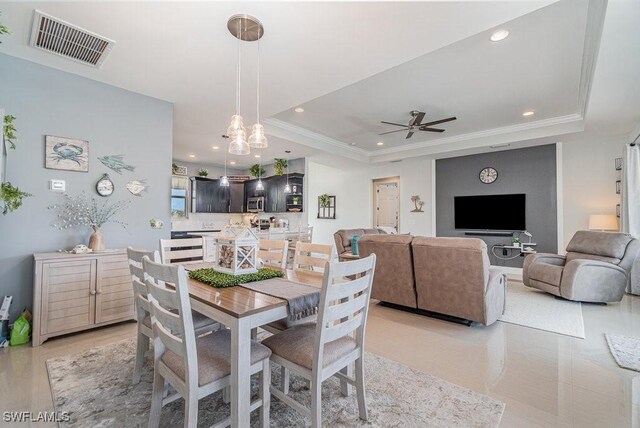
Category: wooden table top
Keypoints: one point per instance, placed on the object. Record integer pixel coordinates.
(241, 302)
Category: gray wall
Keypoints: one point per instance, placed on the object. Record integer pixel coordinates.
(114, 121)
(531, 171)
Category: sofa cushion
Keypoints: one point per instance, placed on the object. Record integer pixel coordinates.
(546, 272)
(573, 256)
(606, 244)
(347, 234)
(459, 243)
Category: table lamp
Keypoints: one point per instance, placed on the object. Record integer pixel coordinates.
(603, 222)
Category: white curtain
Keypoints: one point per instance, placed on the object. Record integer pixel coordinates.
(630, 207)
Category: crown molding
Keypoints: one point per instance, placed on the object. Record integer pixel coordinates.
(592, 37)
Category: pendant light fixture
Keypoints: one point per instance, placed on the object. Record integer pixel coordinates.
(259, 185)
(249, 29)
(287, 188)
(224, 180)
(257, 139)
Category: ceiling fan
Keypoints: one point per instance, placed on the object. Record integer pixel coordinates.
(416, 125)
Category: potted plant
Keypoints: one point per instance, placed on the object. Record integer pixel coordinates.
(203, 172)
(279, 166)
(174, 168)
(256, 171)
(10, 196)
(80, 211)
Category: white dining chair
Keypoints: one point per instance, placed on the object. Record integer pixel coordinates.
(328, 348)
(273, 252)
(201, 323)
(195, 367)
(310, 256)
(182, 250)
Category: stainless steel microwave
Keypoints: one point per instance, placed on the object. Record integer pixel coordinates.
(255, 205)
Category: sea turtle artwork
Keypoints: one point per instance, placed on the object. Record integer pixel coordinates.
(66, 153)
(136, 187)
(116, 163)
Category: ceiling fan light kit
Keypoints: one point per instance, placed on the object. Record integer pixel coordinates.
(249, 29)
(415, 124)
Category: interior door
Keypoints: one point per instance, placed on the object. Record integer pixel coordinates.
(387, 204)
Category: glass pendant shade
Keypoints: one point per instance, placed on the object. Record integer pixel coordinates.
(287, 188)
(224, 181)
(235, 126)
(257, 139)
(239, 145)
(259, 186)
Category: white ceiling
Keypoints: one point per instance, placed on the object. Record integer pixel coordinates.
(183, 53)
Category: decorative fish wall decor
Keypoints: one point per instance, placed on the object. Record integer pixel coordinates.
(116, 163)
(136, 187)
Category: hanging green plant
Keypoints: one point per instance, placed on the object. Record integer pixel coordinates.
(257, 171)
(10, 131)
(202, 172)
(325, 200)
(4, 29)
(174, 168)
(11, 197)
(279, 166)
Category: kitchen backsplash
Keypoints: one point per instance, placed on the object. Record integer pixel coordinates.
(218, 221)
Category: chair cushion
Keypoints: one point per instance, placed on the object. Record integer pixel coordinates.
(284, 323)
(214, 357)
(297, 343)
(606, 244)
(199, 320)
(546, 272)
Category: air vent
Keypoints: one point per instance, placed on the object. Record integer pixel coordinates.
(70, 41)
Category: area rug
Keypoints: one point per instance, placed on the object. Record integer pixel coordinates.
(533, 308)
(625, 350)
(95, 388)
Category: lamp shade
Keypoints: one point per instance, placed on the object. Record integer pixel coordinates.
(603, 222)
(257, 139)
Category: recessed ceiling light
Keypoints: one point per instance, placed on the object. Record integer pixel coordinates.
(232, 162)
(379, 143)
(499, 35)
(215, 147)
(192, 156)
(528, 113)
(298, 109)
(353, 144)
(257, 156)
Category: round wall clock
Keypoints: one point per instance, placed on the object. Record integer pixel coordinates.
(488, 175)
(104, 186)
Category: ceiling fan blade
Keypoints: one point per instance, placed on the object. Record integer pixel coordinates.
(416, 120)
(430, 129)
(391, 132)
(409, 135)
(435, 122)
(396, 124)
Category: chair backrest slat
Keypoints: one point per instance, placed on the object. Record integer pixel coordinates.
(305, 234)
(137, 279)
(312, 256)
(344, 304)
(273, 252)
(178, 249)
(171, 318)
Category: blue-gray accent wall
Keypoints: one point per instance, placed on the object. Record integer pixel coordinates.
(47, 101)
(531, 171)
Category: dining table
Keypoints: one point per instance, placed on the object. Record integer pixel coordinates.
(242, 310)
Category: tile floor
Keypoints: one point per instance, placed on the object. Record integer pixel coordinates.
(546, 379)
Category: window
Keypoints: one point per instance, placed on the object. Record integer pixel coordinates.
(179, 193)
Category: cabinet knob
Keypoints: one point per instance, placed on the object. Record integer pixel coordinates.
(92, 292)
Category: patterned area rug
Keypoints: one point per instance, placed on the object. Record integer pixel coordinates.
(533, 308)
(95, 388)
(625, 350)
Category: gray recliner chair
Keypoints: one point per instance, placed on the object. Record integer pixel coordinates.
(596, 268)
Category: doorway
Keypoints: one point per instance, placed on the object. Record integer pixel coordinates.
(386, 203)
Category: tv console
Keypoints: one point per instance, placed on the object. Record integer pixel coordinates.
(488, 233)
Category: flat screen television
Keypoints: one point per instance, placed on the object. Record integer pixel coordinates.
(490, 212)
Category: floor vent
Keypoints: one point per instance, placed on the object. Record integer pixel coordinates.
(70, 41)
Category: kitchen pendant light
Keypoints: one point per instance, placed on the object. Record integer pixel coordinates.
(287, 187)
(259, 185)
(257, 139)
(224, 180)
(244, 28)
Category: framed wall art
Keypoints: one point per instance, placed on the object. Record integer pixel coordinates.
(66, 153)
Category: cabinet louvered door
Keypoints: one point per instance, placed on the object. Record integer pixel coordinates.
(68, 290)
(114, 292)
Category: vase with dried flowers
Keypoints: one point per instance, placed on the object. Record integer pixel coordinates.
(81, 211)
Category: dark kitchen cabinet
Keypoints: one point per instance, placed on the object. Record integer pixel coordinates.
(237, 203)
(207, 196)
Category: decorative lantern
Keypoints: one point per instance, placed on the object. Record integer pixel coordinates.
(237, 251)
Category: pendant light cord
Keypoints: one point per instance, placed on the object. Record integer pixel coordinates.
(239, 36)
(258, 95)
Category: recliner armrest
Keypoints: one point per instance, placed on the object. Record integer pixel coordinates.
(552, 259)
(583, 277)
